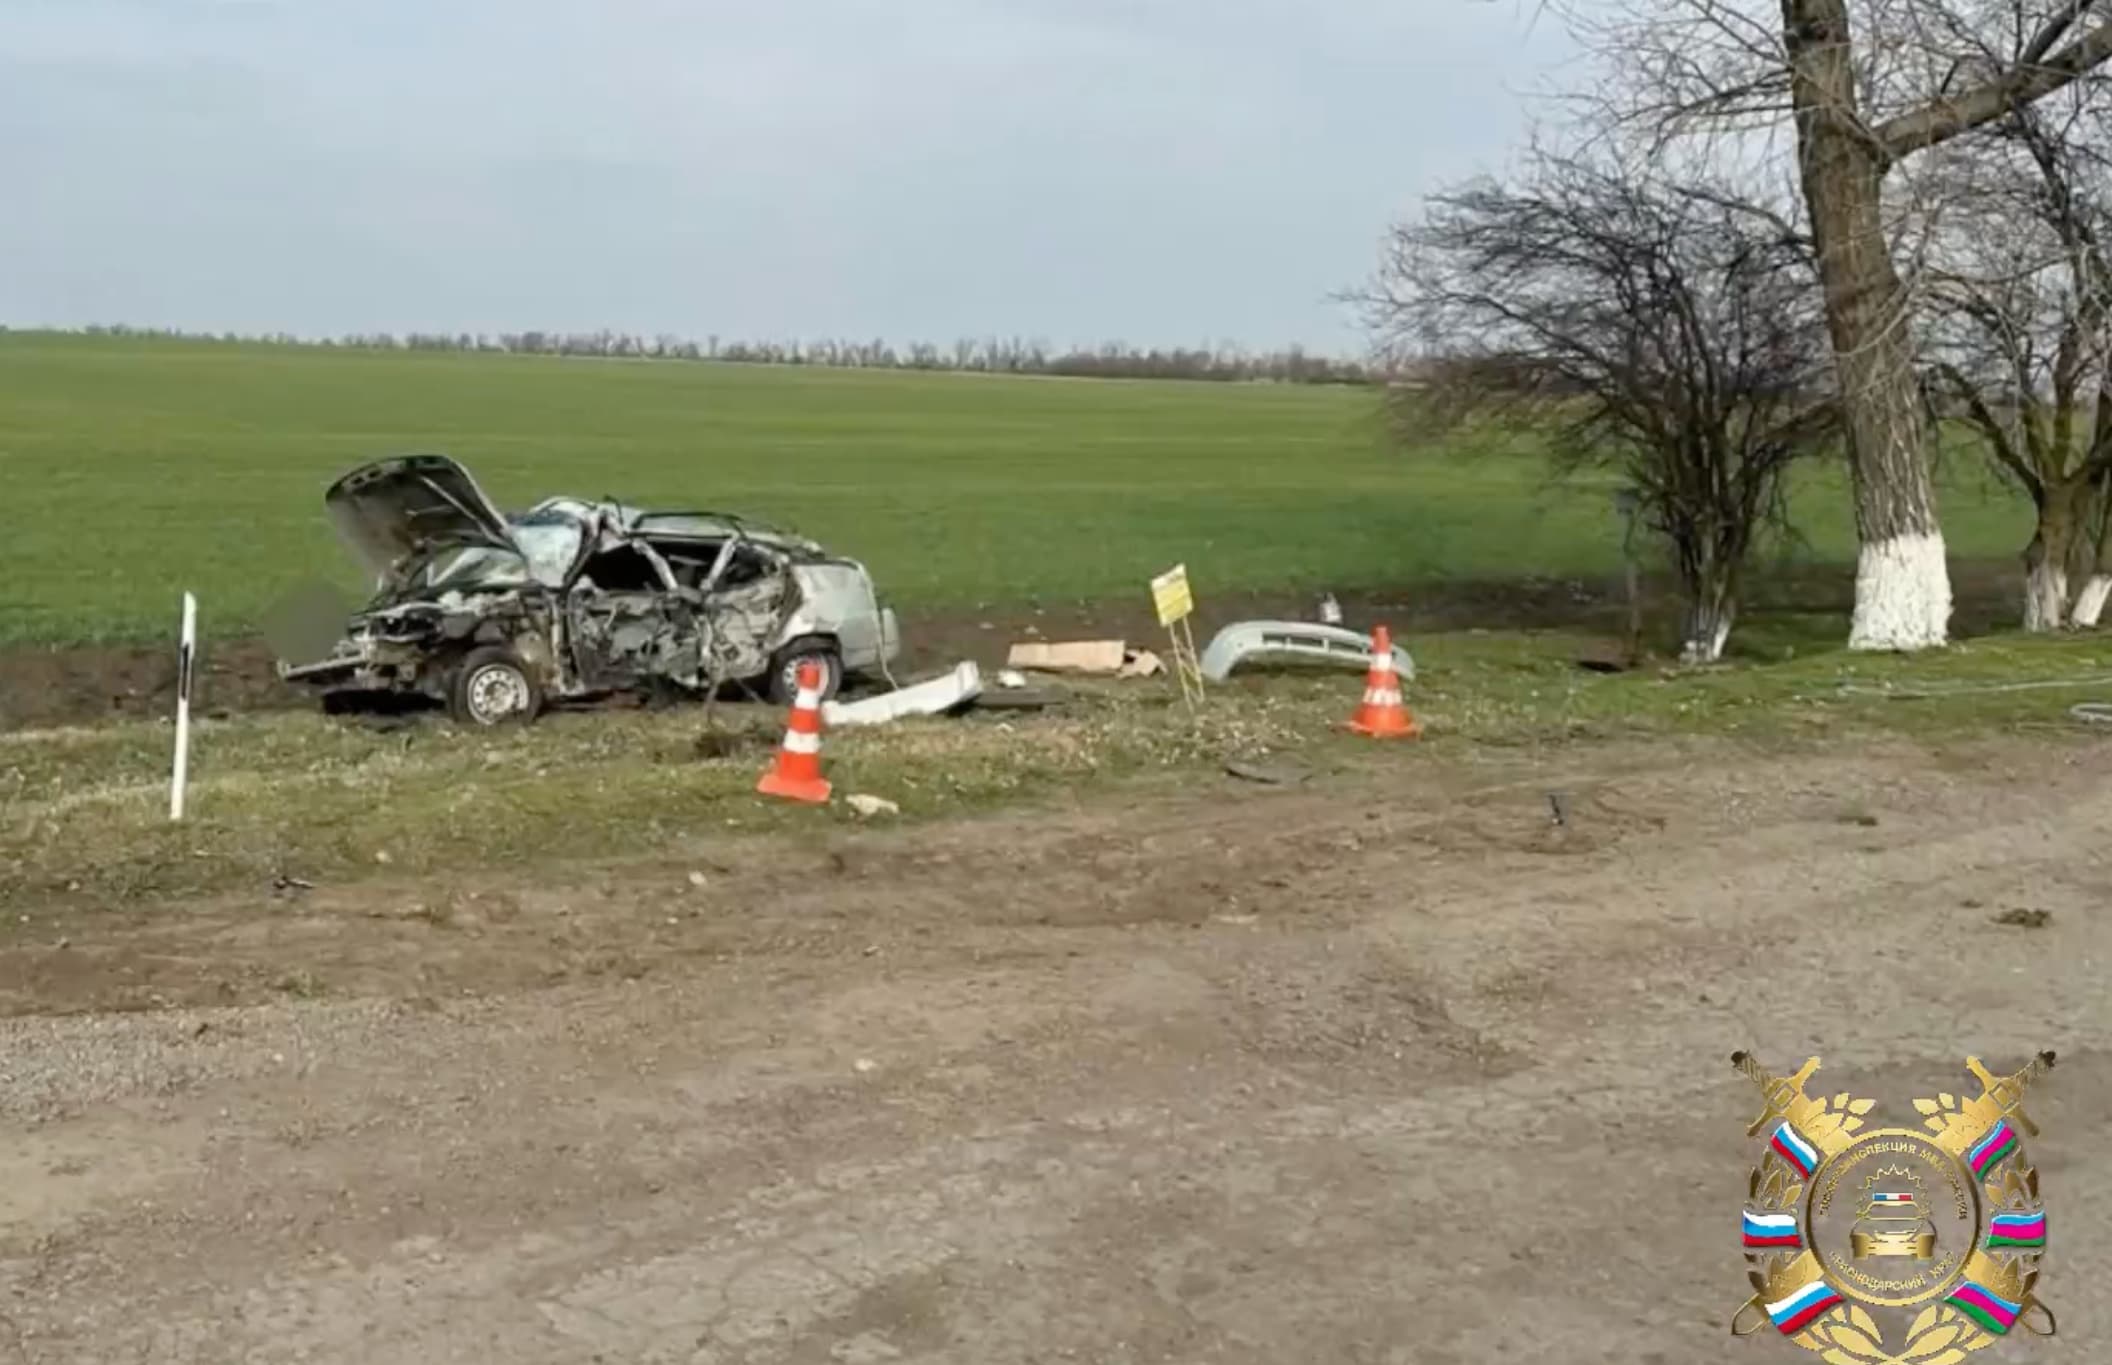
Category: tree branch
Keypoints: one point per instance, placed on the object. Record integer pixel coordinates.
(1991, 426)
(2029, 79)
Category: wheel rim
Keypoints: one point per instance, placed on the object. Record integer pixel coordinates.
(496, 692)
(793, 665)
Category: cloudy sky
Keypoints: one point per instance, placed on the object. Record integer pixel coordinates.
(1160, 171)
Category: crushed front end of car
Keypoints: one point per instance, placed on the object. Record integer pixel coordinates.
(451, 587)
(411, 648)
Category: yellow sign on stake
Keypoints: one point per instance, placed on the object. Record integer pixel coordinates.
(1175, 602)
(1171, 595)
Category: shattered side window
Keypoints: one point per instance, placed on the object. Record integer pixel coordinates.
(551, 543)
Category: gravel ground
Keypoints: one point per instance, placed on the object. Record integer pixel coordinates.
(1388, 1070)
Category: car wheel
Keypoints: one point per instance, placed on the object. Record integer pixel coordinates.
(492, 688)
(784, 677)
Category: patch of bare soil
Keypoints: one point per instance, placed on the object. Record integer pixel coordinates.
(43, 686)
(1387, 1069)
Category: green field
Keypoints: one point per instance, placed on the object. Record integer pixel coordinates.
(135, 469)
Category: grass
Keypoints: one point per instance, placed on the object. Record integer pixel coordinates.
(83, 817)
(136, 468)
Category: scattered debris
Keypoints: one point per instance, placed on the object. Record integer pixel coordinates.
(1863, 819)
(1236, 919)
(1558, 808)
(1081, 656)
(941, 695)
(285, 885)
(1011, 677)
(1268, 774)
(2025, 919)
(1019, 699)
(1250, 642)
(1105, 658)
(1330, 610)
(1141, 663)
(865, 1066)
(869, 806)
(696, 879)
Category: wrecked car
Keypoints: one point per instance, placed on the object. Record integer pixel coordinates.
(495, 616)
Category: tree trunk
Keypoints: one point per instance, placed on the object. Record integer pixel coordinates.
(1708, 627)
(1712, 605)
(2045, 587)
(2090, 602)
(2046, 560)
(2097, 586)
(1902, 584)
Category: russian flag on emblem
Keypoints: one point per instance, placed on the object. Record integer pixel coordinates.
(1793, 1314)
(1795, 1148)
(1772, 1230)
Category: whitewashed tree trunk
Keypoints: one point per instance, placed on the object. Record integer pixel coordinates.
(2090, 602)
(1708, 627)
(1902, 593)
(2046, 596)
(2052, 554)
(1902, 584)
(1712, 604)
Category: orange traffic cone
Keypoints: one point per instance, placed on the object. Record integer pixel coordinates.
(1382, 716)
(797, 776)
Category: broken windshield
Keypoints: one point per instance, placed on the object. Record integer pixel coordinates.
(551, 541)
(471, 566)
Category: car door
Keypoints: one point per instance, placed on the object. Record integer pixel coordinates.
(630, 624)
(747, 599)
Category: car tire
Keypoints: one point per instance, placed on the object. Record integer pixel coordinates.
(491, 687)
(784, 669)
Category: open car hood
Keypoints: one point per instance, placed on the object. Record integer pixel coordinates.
(394, 512)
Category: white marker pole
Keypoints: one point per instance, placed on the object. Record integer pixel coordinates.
(186, 653)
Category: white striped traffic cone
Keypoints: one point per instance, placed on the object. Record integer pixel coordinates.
(1382, 714)
(797, 774)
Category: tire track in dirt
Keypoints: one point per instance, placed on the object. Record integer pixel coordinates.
(1154, 1128)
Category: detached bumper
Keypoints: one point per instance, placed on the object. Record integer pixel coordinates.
(364, 671)
(328, 672)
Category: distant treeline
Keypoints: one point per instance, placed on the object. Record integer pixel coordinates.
(1292, 365)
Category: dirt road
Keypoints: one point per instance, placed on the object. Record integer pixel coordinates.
(1395, 1070)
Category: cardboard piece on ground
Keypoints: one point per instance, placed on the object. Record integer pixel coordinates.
(1110, 658)
(1082, 656)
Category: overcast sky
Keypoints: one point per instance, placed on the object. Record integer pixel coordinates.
(1162, 171)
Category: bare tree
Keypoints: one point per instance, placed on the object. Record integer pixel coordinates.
(1865, 85)
(1661, 329)
(2020, 334)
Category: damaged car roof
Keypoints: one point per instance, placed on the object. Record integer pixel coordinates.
(693, 525)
